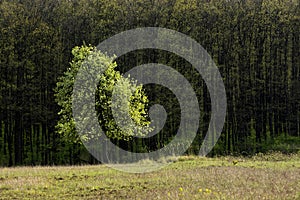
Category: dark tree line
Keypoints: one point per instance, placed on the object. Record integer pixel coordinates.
(255, 44)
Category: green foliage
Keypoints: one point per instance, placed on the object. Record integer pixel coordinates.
(63, 94)
(131, 98)
(283, 143)
(255, 45)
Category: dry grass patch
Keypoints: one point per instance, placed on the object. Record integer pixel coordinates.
(187, 178)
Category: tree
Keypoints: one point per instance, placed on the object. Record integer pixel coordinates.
(125, 88)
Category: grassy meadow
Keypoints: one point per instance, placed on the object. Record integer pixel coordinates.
(268, 176)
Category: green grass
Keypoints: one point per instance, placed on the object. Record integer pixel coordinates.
(271, 176)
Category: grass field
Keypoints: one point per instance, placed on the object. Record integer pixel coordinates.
(271, 176)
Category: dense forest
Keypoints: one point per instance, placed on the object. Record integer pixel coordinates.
(255, 44)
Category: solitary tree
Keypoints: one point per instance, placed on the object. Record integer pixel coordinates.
(129, 92)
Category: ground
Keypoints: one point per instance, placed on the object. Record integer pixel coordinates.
(271, 176)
